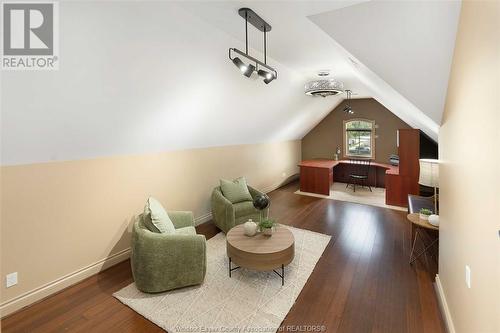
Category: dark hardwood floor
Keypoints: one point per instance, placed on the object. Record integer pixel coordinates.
(362, 283)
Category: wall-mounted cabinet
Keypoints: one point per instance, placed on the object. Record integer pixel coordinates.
(405, 182)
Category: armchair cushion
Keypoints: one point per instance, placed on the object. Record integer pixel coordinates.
(226, 214)
(244, 208)
(236, 190)
(186, 231)
(156, 218)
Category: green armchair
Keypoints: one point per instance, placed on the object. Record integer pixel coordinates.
(161, 261)
(227, 215)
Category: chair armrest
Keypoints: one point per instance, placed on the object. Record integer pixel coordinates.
(222, 210)
(181, 219)
(254, 192)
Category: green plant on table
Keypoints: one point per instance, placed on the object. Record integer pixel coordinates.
(267, 224)
(425, 211)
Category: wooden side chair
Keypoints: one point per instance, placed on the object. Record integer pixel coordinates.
(360, 170)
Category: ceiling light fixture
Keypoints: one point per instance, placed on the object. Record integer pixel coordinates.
(268, 73)
(348, 109)
(323, 87)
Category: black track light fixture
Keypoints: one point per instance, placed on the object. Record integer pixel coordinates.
(268, 73)
(348, 108)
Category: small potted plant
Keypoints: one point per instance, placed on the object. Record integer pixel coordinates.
(425, 213)
(266, 226)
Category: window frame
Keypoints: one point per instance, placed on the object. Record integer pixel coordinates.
(345, 151)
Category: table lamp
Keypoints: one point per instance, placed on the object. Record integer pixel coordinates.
(429, 176)
(261, 202)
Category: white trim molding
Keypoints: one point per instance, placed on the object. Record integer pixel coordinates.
(61, 283)
(444, 306)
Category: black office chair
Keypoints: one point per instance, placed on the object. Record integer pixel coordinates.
(360, 170)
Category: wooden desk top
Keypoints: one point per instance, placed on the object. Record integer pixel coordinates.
(415, 219)
(328, 164)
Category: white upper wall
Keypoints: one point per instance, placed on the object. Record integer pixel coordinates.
(140, 77)
(145, 77)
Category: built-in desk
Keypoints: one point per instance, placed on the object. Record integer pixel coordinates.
(316, 176)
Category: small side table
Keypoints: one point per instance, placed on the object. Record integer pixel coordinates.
(417, 225)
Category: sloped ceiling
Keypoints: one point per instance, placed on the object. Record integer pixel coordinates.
(397, 52)
(141, 77)
(138, 77)
(408, 44)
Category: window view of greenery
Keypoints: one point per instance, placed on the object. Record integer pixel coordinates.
(359, 138)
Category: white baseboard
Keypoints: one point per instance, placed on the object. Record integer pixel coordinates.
(61, 283)
(444, 306)
(203, 218)
(70, 279)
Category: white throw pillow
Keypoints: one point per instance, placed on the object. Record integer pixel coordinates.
(156, 217)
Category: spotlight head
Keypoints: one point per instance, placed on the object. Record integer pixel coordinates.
(348, 110)
(269, 77)
(248, 70)
(238, 63)
(264, 74)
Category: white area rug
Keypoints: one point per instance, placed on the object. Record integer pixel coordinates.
(250, 300)
(361, 196)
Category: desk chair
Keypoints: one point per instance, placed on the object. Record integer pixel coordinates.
(359, 173)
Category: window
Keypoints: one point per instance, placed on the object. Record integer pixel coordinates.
(359, 138)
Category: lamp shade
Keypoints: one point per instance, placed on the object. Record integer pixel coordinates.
(429, 172)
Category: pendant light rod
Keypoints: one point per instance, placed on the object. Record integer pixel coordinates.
(246, 33)
(265, 56)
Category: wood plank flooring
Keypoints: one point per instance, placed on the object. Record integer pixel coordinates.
(362, 283)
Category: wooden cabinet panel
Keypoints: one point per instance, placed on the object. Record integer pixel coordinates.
(406, 182)
(316, 180)
(393, 187)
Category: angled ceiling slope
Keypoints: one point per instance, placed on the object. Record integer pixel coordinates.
(402, 51)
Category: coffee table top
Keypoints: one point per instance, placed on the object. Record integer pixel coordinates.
(281, 239)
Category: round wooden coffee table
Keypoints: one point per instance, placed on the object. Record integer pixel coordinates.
(260, 252)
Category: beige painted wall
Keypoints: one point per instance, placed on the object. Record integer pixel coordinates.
(322, 140)
(60, 217)
(469, 173)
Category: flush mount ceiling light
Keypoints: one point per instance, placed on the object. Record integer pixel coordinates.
(263, 70)
(324, 87)
(348, 109)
